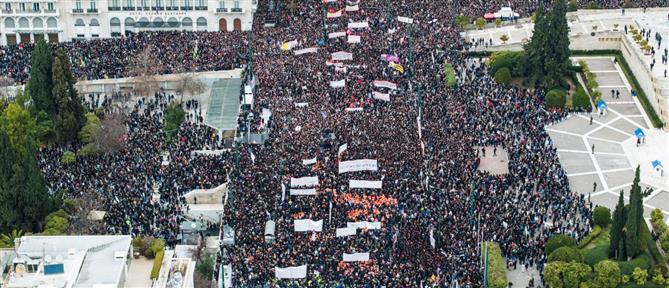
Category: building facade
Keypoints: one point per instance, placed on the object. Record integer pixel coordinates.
(67, 20)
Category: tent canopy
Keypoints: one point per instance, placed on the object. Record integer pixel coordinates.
(639, 133)
(601, 104)
(223, 109)
(657, 163)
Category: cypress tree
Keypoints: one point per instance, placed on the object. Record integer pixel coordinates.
(536, 47)
(617, 249)
(70, 116)
(6, 160)
(41, 83)
(34, 200)
(634, 219)
(557, 44)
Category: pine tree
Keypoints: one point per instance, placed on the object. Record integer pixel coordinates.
(536, 47)
(70, 117)
(634, 219)
(41, 84)
(617, 249)
(557, 44)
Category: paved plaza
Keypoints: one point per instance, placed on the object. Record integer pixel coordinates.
(601, 174)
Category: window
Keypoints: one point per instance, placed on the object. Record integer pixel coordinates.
(187, 3)
(114, 3)
(49, 6)
(8, 7)
(221, 4)
(200, 3)
(129, 3)
(236, 4)
(173, 3)
(159, 3)
(77, 4)
(22, 7)
(35, 7)
(92, 5)
(145, 4)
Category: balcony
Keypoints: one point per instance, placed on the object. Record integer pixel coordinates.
(92, 10)
(168, 8)
(114, 8)
(158, 8)
(50, 11)
(221, 10)
(128, 8)
(201, 8)
(7, 11)
(186, 8)
(236, 10)
(77, 11)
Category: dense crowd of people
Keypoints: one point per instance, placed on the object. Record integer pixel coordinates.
(151, 163)
(387, 100)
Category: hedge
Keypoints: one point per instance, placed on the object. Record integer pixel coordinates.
(157, 263)
(654, 118)
(652, 246)
(627, 267)
(496, 266)
(580, 99)
(596, 255)
(566, 254)
(593, 234)
(558, 240)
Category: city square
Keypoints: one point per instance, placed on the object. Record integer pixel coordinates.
(334, 143)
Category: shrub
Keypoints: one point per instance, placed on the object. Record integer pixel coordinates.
(593, 234)
(57, 225)
(601, 216)
(640, 275)
(480, 23)
(462, 21)
(573, 6)
(157, 262)
(206, 266)
(566, 254)
(137, 243)
(503, 76)
(556, 98)
(88, 132)
(449, 71)
(580, 100)
(496, 266)
(557, 241)
(71, 205)
(68, 157)
(88, 150)
(174, 115)
(157, 245)
(596, 255)
(657, 219)
(517, 62)
(627, 267)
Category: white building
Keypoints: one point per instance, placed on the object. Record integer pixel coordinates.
(69, 261)
(66, 20)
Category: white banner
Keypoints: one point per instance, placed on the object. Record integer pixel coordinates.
(343, 232)
(306, 50)
(334, 14)
(405, 19)
(352, 8)
(336, 34)
(356, 109)
(385, 84)
(289, 45)
(358, 165)
(297, 272)
(306, 225)
(365, 184)
(342, 148)
(301, 104)
(353, 38)
(303, 192)
(364, 224)
(381, 96)
(340, 69)
(356, 257)
(338, 84)
(355, 25)
(342, 55)
(304, 181)
(309, 161)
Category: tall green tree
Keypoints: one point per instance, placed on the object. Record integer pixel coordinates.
(557, 44)
(634, 219)
(40, 83)
(6, 160)
(19, 126)
(536, 48)
(70, 116)
(617, 247)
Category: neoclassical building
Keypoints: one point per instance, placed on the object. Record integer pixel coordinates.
(66, 20)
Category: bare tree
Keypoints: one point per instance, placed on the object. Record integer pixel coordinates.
(5, 86)
(144, 67)
(188, 82)
(112, 133)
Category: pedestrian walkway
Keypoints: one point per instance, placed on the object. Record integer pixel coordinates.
(600, 153)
